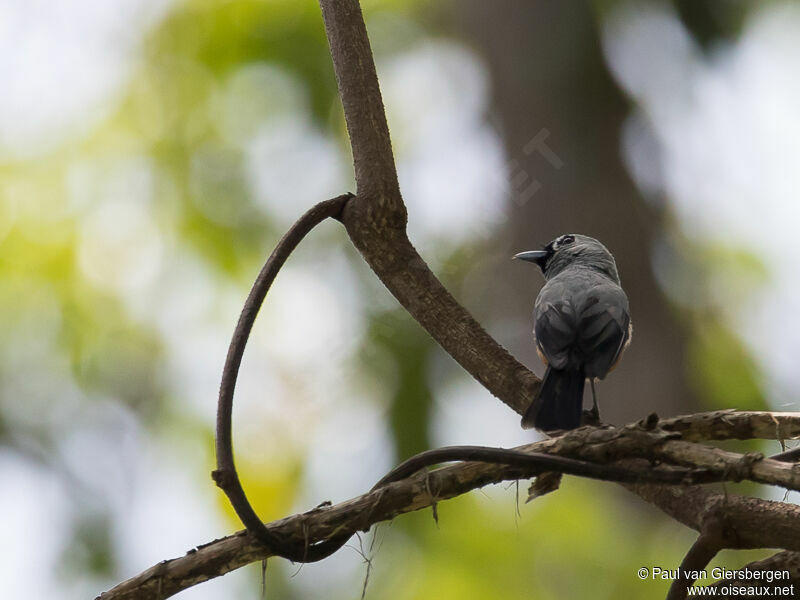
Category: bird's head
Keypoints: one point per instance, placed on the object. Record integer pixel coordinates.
(572, 249)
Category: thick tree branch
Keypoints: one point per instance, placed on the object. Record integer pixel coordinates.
(756, 523)
(716, 533)
(235, 551)
(753, 522)
(376, 219)
(380, 202)
(735, 425)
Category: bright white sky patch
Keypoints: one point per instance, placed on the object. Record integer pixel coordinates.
(291, 166)
(34, 510)
(450, 161)
(61, 64)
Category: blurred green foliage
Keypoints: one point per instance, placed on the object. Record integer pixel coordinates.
(722, 369)
(399, 349)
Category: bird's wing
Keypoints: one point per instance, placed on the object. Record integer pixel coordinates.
(555, 328)
(603, 324)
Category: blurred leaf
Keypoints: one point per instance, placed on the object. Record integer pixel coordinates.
(722, 370)
(271, 485)
(90, 549)
(398, 344)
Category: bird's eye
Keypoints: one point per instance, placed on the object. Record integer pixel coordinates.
(567, 239)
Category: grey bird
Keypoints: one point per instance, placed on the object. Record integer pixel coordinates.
(582, 326)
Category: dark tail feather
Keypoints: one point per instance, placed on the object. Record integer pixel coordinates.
(559, 403)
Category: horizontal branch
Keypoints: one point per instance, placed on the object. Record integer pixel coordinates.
(605, 444)
(232, 552)
(751, 466)
(735, 425)
(775, 521)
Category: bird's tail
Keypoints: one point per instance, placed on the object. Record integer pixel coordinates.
(559, 403)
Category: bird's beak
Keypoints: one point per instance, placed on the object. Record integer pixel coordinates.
(535, 256)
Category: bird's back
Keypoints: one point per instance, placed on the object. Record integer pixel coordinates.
(581, 321)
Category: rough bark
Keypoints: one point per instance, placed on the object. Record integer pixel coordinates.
(376, 219)
(749, 522)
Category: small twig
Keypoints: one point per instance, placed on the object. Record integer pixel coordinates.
(264, 579)
(433, 497)
(367, 560)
